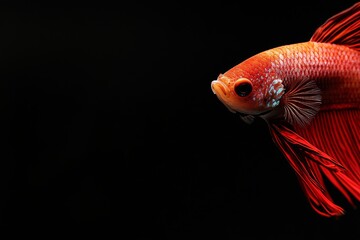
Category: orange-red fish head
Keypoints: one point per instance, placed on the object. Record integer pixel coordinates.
(243, 96)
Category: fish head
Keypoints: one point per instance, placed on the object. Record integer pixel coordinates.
(246, 95)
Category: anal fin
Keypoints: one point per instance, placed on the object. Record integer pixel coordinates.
(337, 132)
(308, 154)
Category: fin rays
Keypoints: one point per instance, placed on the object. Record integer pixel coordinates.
(306, 160)
(329, 147)
(343, 29)
(302, 102)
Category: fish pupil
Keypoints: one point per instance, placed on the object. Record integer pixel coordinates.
(243, 89)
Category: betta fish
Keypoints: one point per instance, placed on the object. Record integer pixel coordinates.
(308, 93)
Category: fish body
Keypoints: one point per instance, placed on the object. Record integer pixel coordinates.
(334, 68)
(309, 94)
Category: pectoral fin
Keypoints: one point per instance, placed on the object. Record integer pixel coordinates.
(302, 101)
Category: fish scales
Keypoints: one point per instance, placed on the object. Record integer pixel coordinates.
(335, 68)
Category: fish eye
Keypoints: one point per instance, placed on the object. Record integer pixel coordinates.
(243, 87)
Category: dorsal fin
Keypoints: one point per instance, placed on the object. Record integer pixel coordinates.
(343, 28)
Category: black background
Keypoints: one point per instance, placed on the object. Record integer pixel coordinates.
(108, 121)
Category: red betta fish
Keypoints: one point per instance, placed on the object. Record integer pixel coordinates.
(309, 95)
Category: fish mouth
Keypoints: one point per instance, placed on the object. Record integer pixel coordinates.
(222, 92)
(219, 88)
